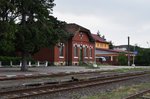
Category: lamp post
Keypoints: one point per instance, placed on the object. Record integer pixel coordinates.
(128, 51)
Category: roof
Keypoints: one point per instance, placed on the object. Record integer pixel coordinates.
(121, 46)
(73, 28)
(98, 38)
(111, 50)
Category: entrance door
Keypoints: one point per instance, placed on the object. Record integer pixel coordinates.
(81, 54)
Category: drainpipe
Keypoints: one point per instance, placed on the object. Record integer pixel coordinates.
(67, 47)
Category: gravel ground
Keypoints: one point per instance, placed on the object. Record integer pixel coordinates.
(58, 69)
(9, 84)
(85, 92)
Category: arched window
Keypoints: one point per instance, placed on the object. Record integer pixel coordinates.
(61, 49)
(85, 51)
(75, 51)
(90, 54)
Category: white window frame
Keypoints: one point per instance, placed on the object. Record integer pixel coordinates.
(62, 51)
(76, 51)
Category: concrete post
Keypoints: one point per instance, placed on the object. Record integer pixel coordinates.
(11, 64)
(0, 64)
(38, 63)
(20, 64)
(46, 63)
(111, 58)
(29, 63)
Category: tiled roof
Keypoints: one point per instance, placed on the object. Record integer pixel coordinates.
(98, 38)
(73, 28)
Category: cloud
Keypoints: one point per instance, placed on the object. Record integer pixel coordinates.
(116, 19)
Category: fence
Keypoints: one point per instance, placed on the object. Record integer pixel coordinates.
(18, 64)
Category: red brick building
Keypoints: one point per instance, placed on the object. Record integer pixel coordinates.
(79, 48)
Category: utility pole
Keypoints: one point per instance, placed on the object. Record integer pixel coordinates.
(128, 51)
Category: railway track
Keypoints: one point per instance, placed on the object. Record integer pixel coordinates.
(139, 95)
(68, 85)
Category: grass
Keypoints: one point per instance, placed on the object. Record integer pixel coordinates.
(121, 92)
(124, 70)
(130, 69)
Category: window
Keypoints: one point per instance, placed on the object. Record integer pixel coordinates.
(75, 51)
(90, 52)
(85, 51)
(61, 48)
(97, 44)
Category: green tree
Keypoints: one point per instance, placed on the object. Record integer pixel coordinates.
(143, 57)
(122, 59)
(35, 27)
(111, 45)
(7, 27)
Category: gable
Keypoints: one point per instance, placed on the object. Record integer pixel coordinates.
(81, 36)
(75, 30)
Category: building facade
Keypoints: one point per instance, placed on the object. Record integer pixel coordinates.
(79, 48)
(103, 54)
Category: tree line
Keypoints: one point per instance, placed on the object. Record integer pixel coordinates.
(142, 58)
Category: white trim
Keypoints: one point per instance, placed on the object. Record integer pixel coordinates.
(78, 45)
(76, 57)
(75, 44)
(86, 57)
(91, 57)
(61, 56)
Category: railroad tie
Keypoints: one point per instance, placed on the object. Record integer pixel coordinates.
(26, 94)
(11, 96)
(34, 92)
(42, 90)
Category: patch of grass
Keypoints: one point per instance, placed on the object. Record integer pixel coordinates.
(121, 92)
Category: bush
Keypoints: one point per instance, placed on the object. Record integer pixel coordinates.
(122, 59)
(8, 58)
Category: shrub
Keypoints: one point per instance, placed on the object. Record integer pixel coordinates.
(122, 59)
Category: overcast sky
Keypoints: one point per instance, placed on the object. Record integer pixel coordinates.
(116, 19)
